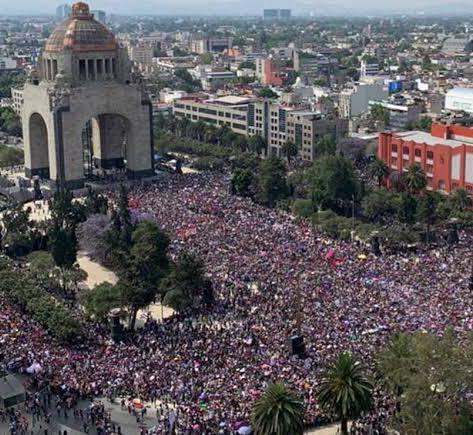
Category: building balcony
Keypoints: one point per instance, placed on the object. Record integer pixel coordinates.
(417, 159)
(393, 154)
(430, 161)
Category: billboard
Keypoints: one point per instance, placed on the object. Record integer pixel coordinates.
(395, 86)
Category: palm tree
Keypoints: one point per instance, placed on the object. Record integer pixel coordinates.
(415, 179)
(257, 144)
(396, 181)
(289, 150)
(427, 212)
(379, 171)
(182, 127)
(199, 130)
(460, 200)
(278, 412)
(210, 134)
(345, 390)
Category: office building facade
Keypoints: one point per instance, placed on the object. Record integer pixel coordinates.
(230, 111)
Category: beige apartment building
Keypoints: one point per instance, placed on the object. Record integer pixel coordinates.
(305, 129)
(17, 97)
(280, 124)
(276, 123)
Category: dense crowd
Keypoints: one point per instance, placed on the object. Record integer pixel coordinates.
(204, 370)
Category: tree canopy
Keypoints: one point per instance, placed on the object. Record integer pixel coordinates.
(333, 182)
(346, 390)
(278, 412)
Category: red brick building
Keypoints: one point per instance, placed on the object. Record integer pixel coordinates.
(445, 154)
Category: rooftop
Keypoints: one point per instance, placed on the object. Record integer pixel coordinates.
(10, 386)
(461, 92)
(232, 100)
(428, 139)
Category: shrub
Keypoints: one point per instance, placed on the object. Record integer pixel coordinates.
(209, 163)
(303, 208)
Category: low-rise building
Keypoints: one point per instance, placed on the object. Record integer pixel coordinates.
(401, 113)
(369, 69)
(17, 99)
(212, 77)
(355, 101)
(168, 96)
(310, 64)
(459, 99)
(457, 46)
(201, 45)
(445, 154)
(266, 72)
(141, 54)
(8, 63)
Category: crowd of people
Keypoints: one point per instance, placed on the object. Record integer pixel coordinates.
(204, 370)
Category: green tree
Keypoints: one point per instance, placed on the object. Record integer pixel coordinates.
(10, 156)
(247, 65)
(10, 122)
(95, 203)
(460, 201)
(243, 183)
(427, 212)
(278, 412)
(378, 170)
(428, 375)
(380, 206)
(185, 283)
(206, 58)
(303, 208)
(397, 181)
(272, 184)
(241, 143)
(415, 179)
(10, 80)
(42, 267)
(289, 150)
(379, 113)
(267, 93)
(103, 298)
(17, 228)
(118, 239)
(333, 183)
(257, 144)
(407, 210)
(22, 289)
(64, 212)
(425, 123)
(345, 390)
(63, 246)
(147, 265)
(326, 146)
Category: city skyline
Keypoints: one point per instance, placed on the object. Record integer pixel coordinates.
(248, 7)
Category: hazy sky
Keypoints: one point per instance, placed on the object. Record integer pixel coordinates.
(245, 7)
